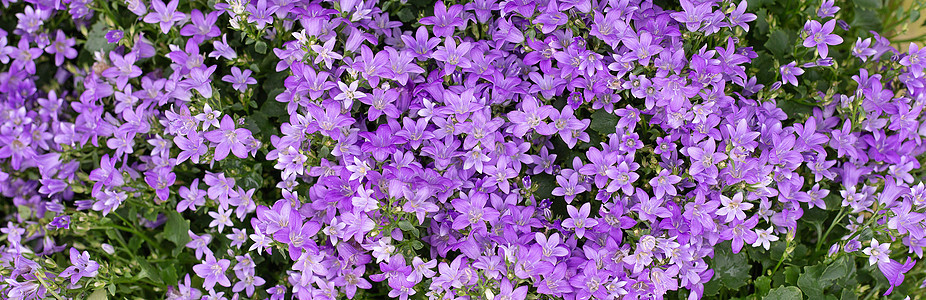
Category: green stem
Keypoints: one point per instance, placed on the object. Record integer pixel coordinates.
(45, 285)
(838, 218)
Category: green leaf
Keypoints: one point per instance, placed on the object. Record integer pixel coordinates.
(147, 270)
(405, 15)
(837, 270)
(260, 47)
(763, 285)
(417, 245)
(96, 39)
(868, 4)
(407, 226)
(778, 43)
(99, 294)
(603, 122)
(784, 293)
(810, 281)
(791, 274)
(731, 269)
(177, 229)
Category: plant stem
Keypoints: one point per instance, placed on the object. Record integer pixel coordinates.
(45, 285)
(838, 218)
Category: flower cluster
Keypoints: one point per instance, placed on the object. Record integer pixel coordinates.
(575, 149)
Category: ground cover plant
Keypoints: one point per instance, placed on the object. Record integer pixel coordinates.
(524, 149)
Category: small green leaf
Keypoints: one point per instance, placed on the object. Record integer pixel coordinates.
(260, 47)
(177, 229)
(408, 227)
(405, 225)
(99, 294)
(784, 293)
(417, 245)
(763, 285)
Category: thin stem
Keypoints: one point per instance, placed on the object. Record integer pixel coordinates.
(838, 218)
(45, 285)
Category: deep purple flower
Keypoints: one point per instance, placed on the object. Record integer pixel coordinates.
(160, 180)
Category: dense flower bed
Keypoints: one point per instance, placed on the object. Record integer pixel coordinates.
(525, 149)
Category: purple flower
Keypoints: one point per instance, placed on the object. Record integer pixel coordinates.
(239, 80)
(261, 14)
(123, 68)
(325, 53)
(894, 272)
(164, 15)
(203, 26)
(820, 36)
(664, 184)
(62, 47)
(692, 16)
(790, 72)
(452, 55)
(191, 197)
(444, 19)
(81, 266)
(877, 253)
(568, 186)
(160, 180)
(827, 9)
(530, 116)
(213, 271)
(191, 147)
(578, 219)
(739, 16)
(200, 80)
(740, 232)
(329, 119)
(113, 36)
(473, 212)
(421, 45)
(228, 138)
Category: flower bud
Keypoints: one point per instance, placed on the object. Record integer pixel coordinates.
(108, 248)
